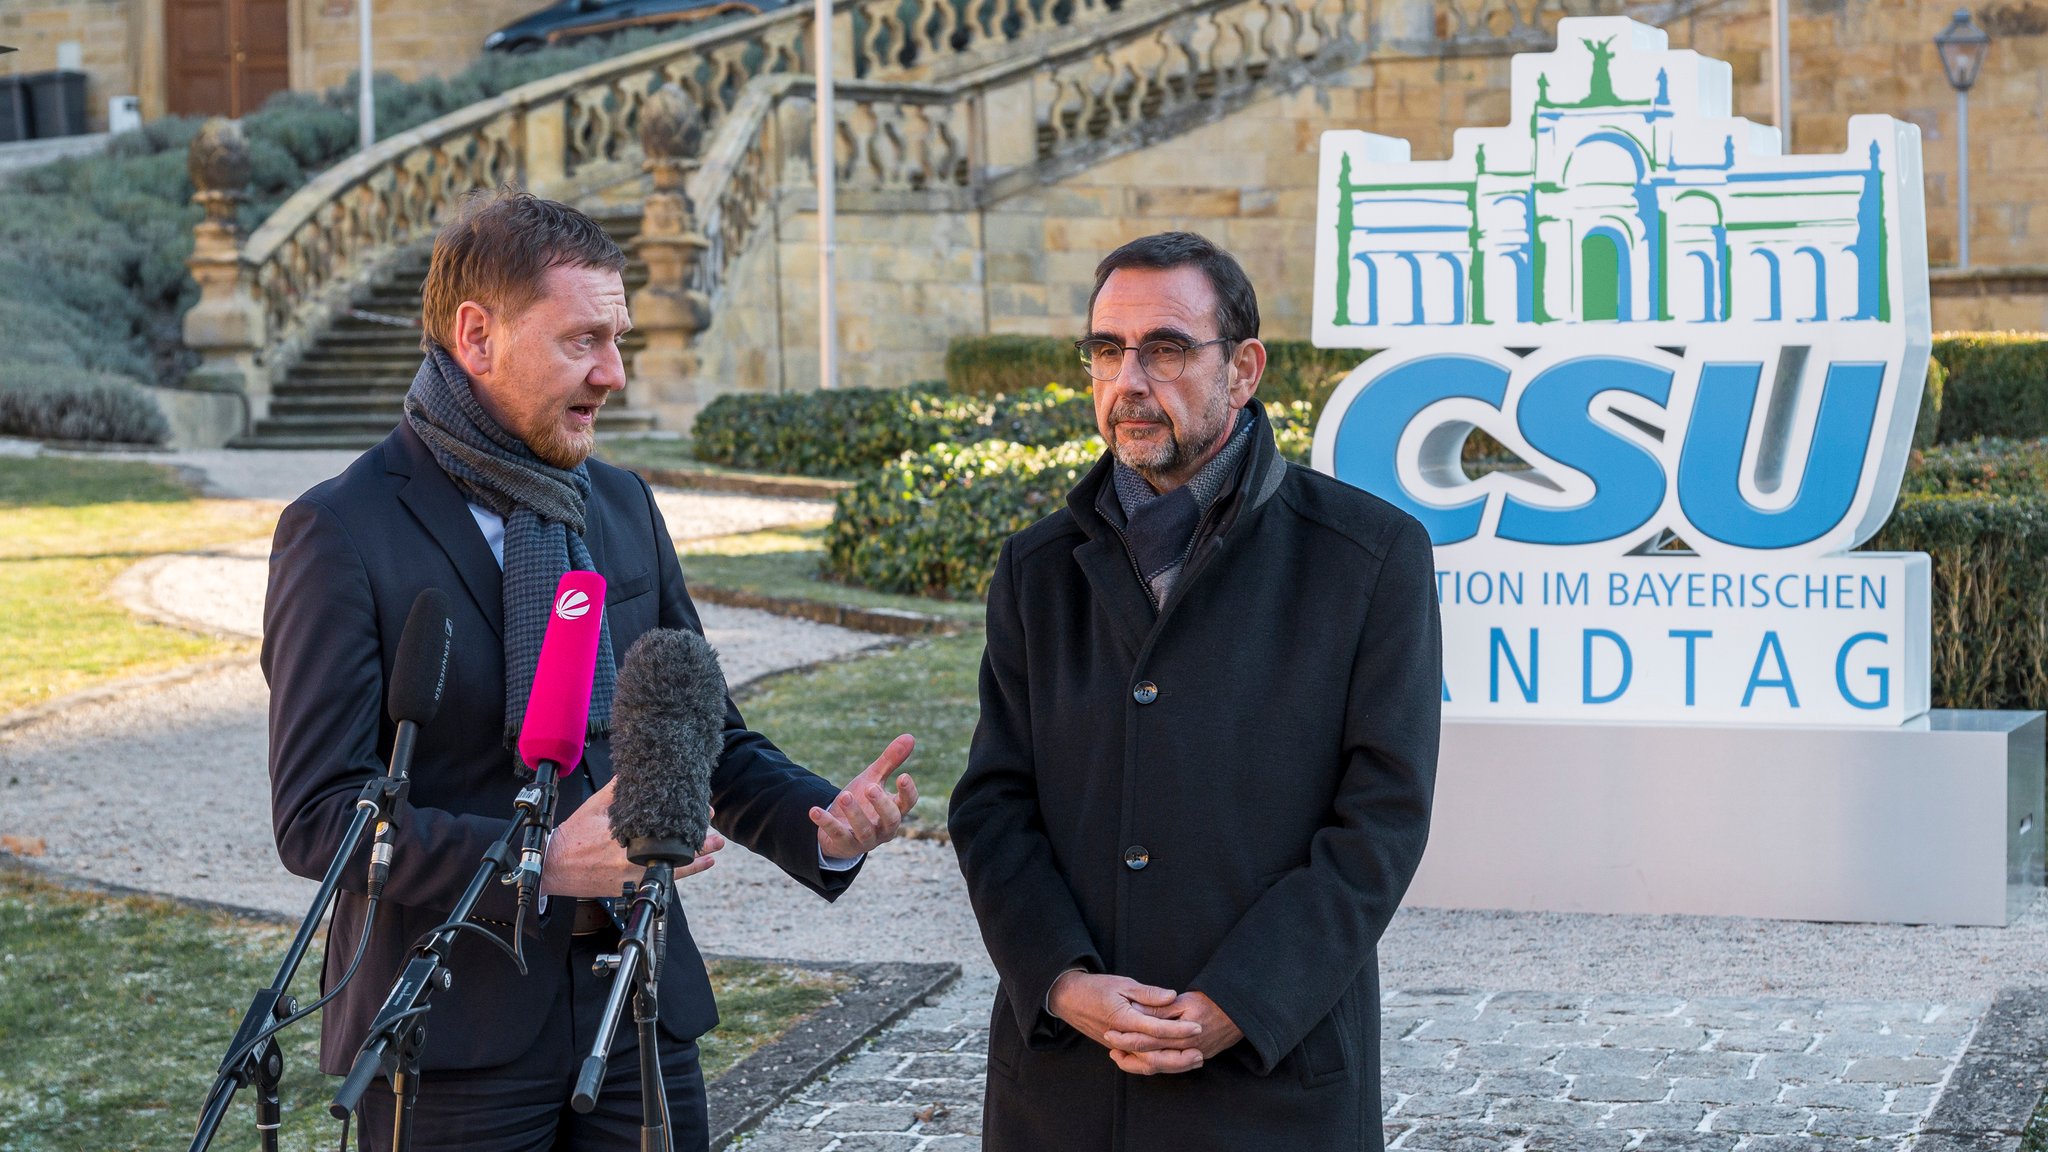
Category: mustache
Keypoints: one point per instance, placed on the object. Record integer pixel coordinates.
(1133, 410)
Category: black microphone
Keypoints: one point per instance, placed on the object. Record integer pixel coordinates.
(419, 674)
(668, 729)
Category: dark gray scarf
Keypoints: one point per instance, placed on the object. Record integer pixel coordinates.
(1159, 527)
(543, 508)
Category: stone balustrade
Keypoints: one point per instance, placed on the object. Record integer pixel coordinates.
(1037, 88)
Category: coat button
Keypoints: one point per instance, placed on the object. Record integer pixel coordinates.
(1135, 857)
(1146, 692)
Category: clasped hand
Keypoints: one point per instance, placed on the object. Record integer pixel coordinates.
(1147, 1030)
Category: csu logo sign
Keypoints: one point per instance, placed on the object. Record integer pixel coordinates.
(1706, 358)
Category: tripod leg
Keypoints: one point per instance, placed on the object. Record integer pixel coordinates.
(405, 1089)
(269, 1114)
(653, 1092)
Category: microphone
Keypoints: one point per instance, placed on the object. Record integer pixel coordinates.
(419, 674)
(557, 713)
(668, 729)
(558, 707)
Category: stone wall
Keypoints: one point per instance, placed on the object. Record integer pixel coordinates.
(106, 32)
(414, 38)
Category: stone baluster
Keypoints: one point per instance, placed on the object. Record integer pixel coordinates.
(226, 328)
(664, 375)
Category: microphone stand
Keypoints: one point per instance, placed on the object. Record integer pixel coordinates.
(253, 1056)
(398, 1033)
(639, 970)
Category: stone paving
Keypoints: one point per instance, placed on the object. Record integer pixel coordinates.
(1472, 1071)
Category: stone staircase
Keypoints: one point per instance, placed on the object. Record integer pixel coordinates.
(348, 389)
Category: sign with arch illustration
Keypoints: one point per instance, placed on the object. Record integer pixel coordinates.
(1706, 357)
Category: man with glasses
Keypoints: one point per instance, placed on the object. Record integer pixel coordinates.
(1202, 776)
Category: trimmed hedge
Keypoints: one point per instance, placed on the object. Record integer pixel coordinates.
(1979, 468)
(1989, 555)
(1997, 385)
(992, 365)
(850, 431)
(996, 365)
(931, 523)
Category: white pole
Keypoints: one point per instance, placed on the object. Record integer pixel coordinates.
(827, 165)
(1781, 70)
(1963, 177)
(366, 104)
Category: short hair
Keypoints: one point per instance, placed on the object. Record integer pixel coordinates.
(496, 251)
(1237, 306)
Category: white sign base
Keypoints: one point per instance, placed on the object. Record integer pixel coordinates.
(1936, 821)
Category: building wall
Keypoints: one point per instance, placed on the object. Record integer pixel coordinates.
(413, 38)
(106, 31)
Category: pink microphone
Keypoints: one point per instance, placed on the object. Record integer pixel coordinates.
(558, 708)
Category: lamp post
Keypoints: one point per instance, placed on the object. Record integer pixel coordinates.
(827, 163)
(366, 103)
(1781, 71)
(1962, 46)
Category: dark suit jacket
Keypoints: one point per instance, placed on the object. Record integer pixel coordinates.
(348, 559)
(1229, 796)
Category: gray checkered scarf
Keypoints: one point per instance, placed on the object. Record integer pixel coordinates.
(543, 511)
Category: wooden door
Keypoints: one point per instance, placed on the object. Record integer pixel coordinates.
(224, 57)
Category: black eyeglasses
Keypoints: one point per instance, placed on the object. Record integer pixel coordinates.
(1162, 360)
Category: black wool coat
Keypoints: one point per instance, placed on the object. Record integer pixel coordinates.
(348, 559)
(1229, 795)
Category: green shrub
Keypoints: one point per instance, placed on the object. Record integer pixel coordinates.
(1927, 426)
(1997, 384)
(989, 365)
(93, 249)
(1298, 370)
(850, 431)
(51, 402)
(1989, 555)
(1979, 467)
(931, 523)
(999, 365)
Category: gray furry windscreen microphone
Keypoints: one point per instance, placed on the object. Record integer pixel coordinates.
(668, 725)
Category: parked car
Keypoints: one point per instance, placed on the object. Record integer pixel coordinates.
(570, 19)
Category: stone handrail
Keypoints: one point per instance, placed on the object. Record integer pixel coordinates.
(564, 136)
(1144, 71)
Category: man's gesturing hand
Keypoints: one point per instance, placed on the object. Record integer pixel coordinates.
(583, 860)
(1127, 1018)
(863, 816)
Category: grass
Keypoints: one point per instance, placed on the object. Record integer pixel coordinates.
(664, 452)
(67, 528)
(784, 562)
(835, 718)
(114, 1011)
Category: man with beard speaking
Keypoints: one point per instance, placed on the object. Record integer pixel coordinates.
(1202, 776)
(485, 491)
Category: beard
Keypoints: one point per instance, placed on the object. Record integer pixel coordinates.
(560, 447)
(1182, 445)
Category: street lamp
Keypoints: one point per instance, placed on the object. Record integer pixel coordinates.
(366, 98)
(1962, 46)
